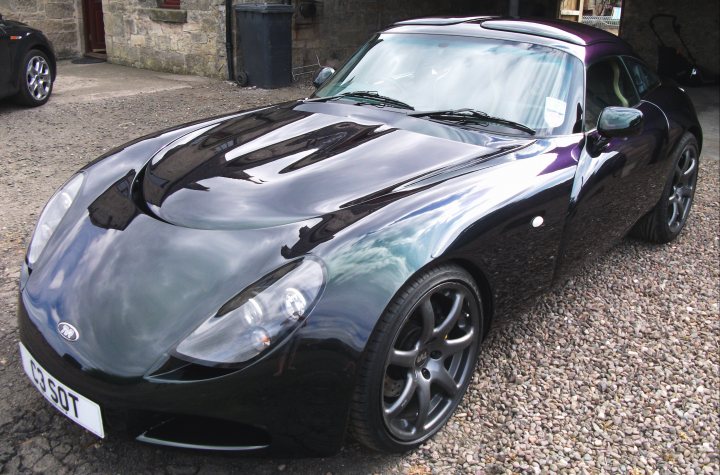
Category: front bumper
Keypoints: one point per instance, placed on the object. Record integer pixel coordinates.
(296, 406)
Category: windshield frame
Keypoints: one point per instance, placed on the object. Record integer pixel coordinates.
(576, 77)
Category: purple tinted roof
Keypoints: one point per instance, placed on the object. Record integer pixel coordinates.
(564, 30)
(593, 42)
(442, 20)
(570, 31)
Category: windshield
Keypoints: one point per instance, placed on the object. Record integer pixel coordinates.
(533, 85)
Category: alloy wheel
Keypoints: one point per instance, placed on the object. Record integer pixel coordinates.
(681, 193)
(38, 78)
(430, 361)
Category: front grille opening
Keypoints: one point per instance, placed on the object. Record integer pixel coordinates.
(176, 369)
(206, 433)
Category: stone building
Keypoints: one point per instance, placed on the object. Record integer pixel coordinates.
(59, 19)
(188, 40)
(192, 39)
(189, 36)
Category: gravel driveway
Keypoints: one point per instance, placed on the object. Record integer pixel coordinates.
(615, 370)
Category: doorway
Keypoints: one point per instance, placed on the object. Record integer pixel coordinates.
(94, 28)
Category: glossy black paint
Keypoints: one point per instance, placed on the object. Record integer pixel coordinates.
(620, 122)
(16, 39)
(168, 228)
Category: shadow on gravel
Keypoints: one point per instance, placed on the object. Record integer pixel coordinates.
(7, 106)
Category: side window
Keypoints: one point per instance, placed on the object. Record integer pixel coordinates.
(642, 77)
(608, 84)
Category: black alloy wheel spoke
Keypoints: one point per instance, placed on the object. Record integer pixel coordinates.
(428, 320)
(445, 381)
(458, 344)
(423, 397)
(452, 317)
(405, 397)
(404, 358)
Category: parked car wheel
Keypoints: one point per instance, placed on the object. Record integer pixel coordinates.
(36, 81)
(419, 361)
(667, 219)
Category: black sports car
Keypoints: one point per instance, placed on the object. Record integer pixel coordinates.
(27, 63)
(272, 278)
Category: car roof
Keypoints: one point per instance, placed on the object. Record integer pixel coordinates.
(582, 40)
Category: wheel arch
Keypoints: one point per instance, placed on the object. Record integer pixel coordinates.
(697, 132)
(486, 294)
(48, 52)
(476, 273)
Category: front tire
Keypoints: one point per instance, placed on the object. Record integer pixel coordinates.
(419, 360)
(667, 219)
(35, 79)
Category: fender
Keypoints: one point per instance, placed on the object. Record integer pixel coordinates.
(464, 218)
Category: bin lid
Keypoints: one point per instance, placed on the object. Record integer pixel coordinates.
(264, 8)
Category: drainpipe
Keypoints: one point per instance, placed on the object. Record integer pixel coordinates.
(229, 40)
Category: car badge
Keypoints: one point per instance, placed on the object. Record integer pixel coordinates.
(68, 331)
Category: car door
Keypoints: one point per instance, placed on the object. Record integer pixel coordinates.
(656, 127)
(5, 63)
(619, 179)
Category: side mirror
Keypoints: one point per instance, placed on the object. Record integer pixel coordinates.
(323, 76)
(620, 122)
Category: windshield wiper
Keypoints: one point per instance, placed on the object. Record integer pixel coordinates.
(471, 116)
(373, 95)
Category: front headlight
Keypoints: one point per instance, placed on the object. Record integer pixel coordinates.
(258, 318)
(51, 216)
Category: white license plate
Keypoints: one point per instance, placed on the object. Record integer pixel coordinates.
(75, 406)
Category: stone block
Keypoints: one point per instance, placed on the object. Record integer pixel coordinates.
(191, 26)
(137, 40)
(202, 5)
(22, 6)
(114, 25)
(60, 10)
(162, 42)
(199, 38)
(196, 63)
(114, 7)
(167, 15)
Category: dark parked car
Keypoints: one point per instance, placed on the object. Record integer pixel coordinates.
(27, 63)
(270, 279)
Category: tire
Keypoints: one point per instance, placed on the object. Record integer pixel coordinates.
(35, 79)
(667, 219)
(422, 354)
(242, 79)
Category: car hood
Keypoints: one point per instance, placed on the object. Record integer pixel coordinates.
(154, 247)
(297, 161)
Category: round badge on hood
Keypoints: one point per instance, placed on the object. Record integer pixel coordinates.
(68, 331)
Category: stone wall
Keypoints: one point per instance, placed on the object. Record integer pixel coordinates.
(339, 27)
(58, 19)
(699, 21)
(187, 41)
(192, 40)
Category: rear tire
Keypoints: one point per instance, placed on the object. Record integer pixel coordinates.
(419, 360)
(667, 219)
(35, 79)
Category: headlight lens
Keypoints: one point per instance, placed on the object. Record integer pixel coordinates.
(51, 216)
(258, 318)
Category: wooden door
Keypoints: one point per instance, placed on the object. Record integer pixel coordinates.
(571, 10)
(94, 26)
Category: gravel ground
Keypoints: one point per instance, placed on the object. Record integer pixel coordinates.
(616, 370)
